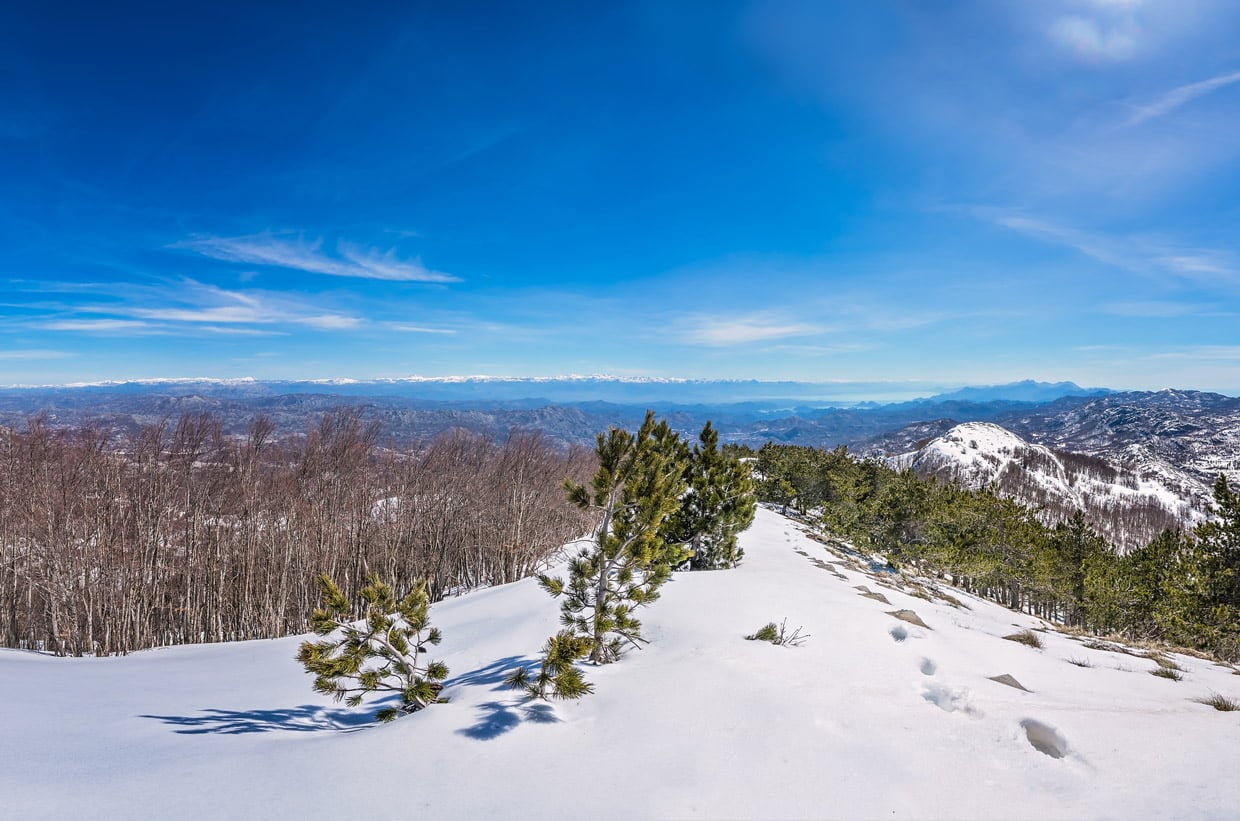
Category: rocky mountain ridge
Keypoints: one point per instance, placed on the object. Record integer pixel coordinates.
(1127, 508)
(1183, 440)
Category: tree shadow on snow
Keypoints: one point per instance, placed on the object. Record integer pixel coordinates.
(492, 673)
(499, 717)
(307, 718)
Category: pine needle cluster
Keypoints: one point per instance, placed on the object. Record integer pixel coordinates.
(558, 676)
(381, 652)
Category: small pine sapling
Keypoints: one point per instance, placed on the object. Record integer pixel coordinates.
(379, 653)
(557, 677)
(637, 487)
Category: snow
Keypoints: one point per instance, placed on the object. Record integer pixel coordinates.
(872, 717)
(978, 453)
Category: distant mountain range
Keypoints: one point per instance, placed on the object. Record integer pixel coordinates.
(569, 409)
(530, 391)
(1175, 440)
(1026, 391)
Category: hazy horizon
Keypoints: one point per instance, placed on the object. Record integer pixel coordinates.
(577, 388)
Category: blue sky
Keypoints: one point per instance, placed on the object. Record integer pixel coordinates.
(948, 192)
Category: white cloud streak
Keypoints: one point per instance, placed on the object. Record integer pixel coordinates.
(350, 260)
(719, 331)
(203, 308)
(32, 355)
(1210, 353)
(1137, 254)
(95, 325)
(419, 329)
(1153, 309)
(1177, 97)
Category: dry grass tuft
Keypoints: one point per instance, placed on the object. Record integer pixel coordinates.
(778, 634)
(1027, 638)
(1220, 703)
(1165, 662)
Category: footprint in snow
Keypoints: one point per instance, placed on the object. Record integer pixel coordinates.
(1044, 738)
(899, 633)
(928, 667)
(948, 700)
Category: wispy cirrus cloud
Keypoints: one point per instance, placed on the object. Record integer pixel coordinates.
(722, 331)
(95, 325)
(349, 260)
(1213, 353)
(173, 308)
(1153, 309)
(33, 355)
(243, 309)
(1176, 97)
(1138, 254)
(418, 329)
(329, 322)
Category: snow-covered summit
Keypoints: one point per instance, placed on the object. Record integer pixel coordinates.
(1127, 506)
(979, 452)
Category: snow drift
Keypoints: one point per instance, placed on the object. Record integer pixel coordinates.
(875, 716)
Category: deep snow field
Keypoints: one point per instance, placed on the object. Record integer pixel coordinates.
(873, 717)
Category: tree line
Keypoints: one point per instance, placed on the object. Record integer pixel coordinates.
(179, 534)
(1183, 587)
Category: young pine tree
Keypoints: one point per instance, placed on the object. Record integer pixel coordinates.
(638, 485)
(558, 676)
(1063, 563)
(1218, 544)
(379, 654)
(717, 506)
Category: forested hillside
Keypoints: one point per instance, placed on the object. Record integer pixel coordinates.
(1181, 587)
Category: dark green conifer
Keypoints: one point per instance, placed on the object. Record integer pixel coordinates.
(718, 504)
(638, 485)
(379, 653)
(1069, 552)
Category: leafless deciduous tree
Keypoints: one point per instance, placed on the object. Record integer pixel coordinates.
(179, 534)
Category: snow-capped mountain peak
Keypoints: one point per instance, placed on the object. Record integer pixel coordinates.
(980, 452)
(1127, 508)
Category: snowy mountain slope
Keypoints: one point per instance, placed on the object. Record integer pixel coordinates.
(872, 717)
(1184, 439)
(1129, 508)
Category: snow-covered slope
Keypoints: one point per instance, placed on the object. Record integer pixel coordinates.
(873, 717)
(1128, 507)
(1183, 439)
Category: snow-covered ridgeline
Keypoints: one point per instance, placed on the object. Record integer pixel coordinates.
(873, 717)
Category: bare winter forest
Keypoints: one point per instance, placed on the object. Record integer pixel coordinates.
(180, 534)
